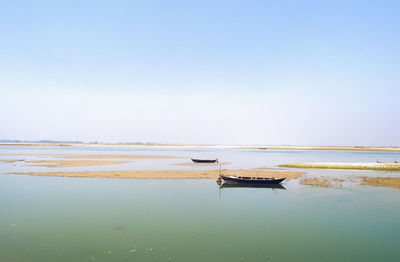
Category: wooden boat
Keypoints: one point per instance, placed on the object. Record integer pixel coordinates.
(248, 185)
(252, 180)
(205, 160)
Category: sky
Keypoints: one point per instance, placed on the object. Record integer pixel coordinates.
(201, 72)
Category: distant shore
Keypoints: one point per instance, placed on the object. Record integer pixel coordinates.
(345, 148)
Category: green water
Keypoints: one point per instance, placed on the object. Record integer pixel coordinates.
(73, 219)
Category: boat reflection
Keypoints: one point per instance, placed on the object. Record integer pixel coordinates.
(236, 185)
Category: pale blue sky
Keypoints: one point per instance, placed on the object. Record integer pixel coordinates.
(210, 72)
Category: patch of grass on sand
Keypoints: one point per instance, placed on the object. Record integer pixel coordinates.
(10, 160)
(324, 182)
(393, 182)
(354, 166)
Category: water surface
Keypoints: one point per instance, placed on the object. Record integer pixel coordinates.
(89, 219)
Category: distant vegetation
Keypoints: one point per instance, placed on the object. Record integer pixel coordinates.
(39, 141)
(71, 142)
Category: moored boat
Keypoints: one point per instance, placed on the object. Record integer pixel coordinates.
(205, 160)
(252, 180)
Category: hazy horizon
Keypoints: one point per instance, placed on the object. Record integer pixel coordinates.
(167, 144)
(182, 72)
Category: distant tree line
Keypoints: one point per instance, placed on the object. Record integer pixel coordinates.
(70, 142)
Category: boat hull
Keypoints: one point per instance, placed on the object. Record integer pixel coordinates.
(205, 160)
(252, 180)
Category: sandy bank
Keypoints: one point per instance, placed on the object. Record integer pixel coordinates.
(209, 174)
(393, 182)
(355, 166)
(72, 163)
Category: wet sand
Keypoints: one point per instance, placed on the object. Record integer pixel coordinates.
(198, 174)
(354, 166)
(72, 163)
(393, 182)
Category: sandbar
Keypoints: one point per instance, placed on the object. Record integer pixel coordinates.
(193, 174)
(349, 165)
(73, 163)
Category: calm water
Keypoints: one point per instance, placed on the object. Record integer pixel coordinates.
(79, 219)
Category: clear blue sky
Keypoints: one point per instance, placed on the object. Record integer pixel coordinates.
(218, 72)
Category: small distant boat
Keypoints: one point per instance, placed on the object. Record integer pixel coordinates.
(205, 160)
(252, 180)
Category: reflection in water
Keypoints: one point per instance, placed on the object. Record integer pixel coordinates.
(235, 185)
